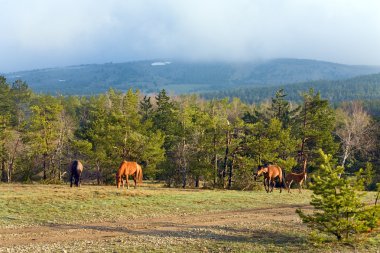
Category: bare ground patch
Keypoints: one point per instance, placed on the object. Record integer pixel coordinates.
(242, 225)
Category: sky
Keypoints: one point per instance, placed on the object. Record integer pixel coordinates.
(54, 33)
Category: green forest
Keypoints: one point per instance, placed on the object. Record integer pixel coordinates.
(364, 88)
(185, 141)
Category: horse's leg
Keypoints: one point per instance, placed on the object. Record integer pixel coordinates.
(301, 185)
(71, 180)
(265, 185)
(270, 181)
(76, 181)
(290, 184)
(283, 181)
(287, 185)
(135, 179)
(127, 182)
(270, 185)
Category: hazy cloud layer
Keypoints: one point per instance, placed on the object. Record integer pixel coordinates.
(47, 33)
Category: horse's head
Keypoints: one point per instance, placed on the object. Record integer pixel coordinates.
(118, 180)
(260, 170)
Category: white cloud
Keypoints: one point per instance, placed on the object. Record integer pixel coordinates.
(44, 33)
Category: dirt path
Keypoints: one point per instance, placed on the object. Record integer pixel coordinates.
(153, 226)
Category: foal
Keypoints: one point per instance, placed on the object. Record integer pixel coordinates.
(296, 177)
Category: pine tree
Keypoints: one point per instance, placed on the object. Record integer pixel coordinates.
(165, 120)
(140, 142)
(43, 131)
(146, 108)
(94, 128)
(280, 108)
(165, 116)
(314, 126)
(339, 210)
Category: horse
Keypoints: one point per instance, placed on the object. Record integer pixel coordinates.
(126, 169)
(270, 172)
(76, 169)
(295, 177)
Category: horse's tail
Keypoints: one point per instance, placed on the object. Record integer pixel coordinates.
(74, 165)
(140, 174)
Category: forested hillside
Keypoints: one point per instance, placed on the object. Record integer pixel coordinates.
(365, 88)
(182, 77)
(182, 140)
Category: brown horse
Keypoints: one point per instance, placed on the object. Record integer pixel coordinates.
(76, 169)
(299, 178)
(270, 172)
(126, 169)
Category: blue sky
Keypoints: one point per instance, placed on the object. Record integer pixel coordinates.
(50, 33)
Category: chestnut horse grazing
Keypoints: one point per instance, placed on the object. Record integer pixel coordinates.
(270, 172)
(76, 169)
(126, 169)
(295, 177)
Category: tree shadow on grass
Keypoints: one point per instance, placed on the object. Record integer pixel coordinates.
(217, 233)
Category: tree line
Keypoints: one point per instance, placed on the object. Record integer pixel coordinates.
(183, 140)
(365, 88)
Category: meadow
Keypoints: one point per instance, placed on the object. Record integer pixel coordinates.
(57, 218)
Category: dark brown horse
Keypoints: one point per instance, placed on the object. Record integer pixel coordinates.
(76, 169)
(126, 169)
(270, 172)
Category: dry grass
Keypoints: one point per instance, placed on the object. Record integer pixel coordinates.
(48, 218)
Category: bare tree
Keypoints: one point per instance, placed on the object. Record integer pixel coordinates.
(355, 130)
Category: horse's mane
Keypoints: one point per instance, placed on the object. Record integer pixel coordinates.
(121, 168)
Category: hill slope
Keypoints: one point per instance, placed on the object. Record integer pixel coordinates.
(365, 87)
(183, 77)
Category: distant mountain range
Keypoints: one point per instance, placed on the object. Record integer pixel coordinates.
(184, 77)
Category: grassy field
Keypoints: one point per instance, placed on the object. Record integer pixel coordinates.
(57, 218)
